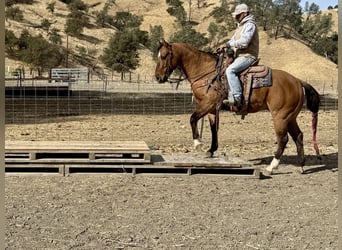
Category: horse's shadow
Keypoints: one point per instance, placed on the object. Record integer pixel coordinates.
(313, 163)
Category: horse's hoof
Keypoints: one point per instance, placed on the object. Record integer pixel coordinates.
(198, 145)
(209, 154)
(267, 171)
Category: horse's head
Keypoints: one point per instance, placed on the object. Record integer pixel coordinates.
(164, 66)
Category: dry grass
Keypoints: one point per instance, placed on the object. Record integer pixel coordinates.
(288, 55)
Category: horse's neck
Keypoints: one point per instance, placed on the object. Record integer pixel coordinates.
(196, 64)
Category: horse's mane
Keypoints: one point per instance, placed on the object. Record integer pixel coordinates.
(210, 53)
(214, 55)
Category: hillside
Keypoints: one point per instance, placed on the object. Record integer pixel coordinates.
(288, 55)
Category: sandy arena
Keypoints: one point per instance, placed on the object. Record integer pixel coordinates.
(287, 211)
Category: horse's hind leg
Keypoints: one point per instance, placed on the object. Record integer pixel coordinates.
(280, 126)
(297, 137)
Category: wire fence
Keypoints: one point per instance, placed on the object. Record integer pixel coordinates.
(27, 101)
(42, 101)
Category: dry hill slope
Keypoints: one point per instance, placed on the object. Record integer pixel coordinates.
(288, 55)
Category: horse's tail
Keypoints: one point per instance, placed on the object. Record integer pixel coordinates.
(312, 103)
(312, 97)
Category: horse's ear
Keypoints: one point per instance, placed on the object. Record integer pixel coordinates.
(162, 41)
(159, 44)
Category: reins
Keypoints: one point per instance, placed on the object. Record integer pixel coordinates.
(194, 80)
(177, 80)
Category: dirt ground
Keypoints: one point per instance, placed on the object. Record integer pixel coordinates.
(289, 210)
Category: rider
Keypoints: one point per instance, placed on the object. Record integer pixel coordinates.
(245, 42)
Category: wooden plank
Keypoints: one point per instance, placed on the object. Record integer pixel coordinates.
(77, 146)
(116, 156)
(161, 170)
(199, 164)
(176, 164)
(78, 151)
(96, 169)
(17, 155)
(189, 160)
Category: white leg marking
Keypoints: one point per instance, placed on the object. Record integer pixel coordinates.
(274, 165)
(197, 144)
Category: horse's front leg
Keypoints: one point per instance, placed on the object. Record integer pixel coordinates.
(195, 134)
(214, 121)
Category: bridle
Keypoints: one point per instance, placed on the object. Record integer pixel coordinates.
(169, 71)
(168, 62)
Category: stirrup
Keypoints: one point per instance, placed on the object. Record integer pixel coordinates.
(227, 102)
(230, 101)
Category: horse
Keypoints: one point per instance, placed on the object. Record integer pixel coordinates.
(284, 98)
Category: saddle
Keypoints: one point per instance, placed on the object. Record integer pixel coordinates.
(255, 76)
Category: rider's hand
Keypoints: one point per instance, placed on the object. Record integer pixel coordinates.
(221, 48)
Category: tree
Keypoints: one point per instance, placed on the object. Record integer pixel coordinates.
(102, 17)
(177, 10)
(156, 34)
(221, 12)
(286, 16)
(12, 2)
(311, 9)
(11, 42)
(76, 19)
(188, 35)
(77, 5)
(217, 33)
(224, 23)
(125, 20)
(316, 28)
(51, 7)
(262, 11)
(328, 47)
(121, 54)
(54, 36)
(45, 24)
(23, 40)
(82, 55)
(39, 53)
(14, 13)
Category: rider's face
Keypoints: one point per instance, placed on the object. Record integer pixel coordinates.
(239, 17)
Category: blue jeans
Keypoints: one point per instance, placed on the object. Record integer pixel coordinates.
(239, 64)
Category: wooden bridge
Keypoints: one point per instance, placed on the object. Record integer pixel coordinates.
(113, 157)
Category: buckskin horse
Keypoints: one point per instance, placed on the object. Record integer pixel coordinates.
(284, 98)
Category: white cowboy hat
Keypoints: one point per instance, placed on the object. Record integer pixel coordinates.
(240, 9)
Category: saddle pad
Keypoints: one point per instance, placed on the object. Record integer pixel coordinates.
(266, 81)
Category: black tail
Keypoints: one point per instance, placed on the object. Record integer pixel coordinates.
(312, 98)
(312, 103)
